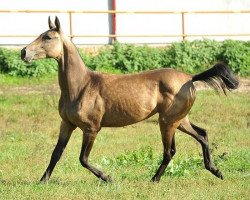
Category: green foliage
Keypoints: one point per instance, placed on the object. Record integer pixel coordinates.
(237, 55)
(10, 63)
(236, 161)
(188, 56)
(193, 57)
(180, 167)
(145, 157)
(127, 58)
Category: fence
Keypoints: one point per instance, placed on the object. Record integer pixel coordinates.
(113, 35)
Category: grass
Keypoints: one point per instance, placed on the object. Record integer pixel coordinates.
(8, 80)
(29, 128)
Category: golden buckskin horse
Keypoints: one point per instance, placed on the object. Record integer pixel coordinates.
(92, 100)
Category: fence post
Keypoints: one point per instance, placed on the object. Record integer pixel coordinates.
(70, 26)
(183, 26)
(114, 20)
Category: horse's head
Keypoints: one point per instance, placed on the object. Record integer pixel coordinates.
(47, 45)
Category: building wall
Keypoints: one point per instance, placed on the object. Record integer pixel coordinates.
(134, 24)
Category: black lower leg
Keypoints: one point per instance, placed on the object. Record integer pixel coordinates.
(88, 141)
(200, 135)
(54, 159)
(65, 132)
(167, 132)
(161, 169)
(95, 171)
(208, 162)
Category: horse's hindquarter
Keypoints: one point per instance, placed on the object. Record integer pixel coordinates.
(129, 99)
(178, 95)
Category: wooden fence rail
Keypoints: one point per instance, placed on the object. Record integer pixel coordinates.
(114, 36)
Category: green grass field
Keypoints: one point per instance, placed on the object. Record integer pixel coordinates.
(29, 125)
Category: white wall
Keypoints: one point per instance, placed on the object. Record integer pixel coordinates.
(99, 24)
(194, 23)
(36, 23)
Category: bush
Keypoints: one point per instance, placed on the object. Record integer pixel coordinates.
(10, 63)
(237, 55)
(188, 56)
(127, 58)
(193, 57)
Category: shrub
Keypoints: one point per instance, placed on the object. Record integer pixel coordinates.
(128, 58)
(193, 56)
(237, 55)
(10, 63)
(188, 56)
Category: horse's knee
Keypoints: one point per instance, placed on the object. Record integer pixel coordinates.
(203, 133)
(83, 162)
(167, 157)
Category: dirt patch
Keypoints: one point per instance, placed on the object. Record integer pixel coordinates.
(54, 88)
(37, 89)
(244, 85)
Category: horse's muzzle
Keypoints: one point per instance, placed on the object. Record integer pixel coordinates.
(23, 53)
(26, 55)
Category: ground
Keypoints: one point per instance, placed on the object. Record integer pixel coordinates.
(29, 123)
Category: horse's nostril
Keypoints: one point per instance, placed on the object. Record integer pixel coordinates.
(23, 53)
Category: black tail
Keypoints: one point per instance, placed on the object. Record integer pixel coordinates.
(219, 77)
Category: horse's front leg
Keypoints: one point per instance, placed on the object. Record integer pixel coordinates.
(87, 144)
(66, 130)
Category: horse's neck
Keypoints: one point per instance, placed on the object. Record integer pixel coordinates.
(73, 75)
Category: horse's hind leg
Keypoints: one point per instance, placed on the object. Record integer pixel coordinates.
(167, 133)
(201, 136)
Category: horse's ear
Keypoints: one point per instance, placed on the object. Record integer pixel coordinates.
(57, 23)
(51, 25)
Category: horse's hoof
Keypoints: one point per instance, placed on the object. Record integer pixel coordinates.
(44, 181)
(155, 179)
(219, 174)
(216, 172)
(107, 179)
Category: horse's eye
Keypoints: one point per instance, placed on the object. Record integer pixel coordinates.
(46, 37)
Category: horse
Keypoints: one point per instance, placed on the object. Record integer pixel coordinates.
(91, 100)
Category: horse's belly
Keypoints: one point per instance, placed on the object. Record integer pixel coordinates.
(128, 112)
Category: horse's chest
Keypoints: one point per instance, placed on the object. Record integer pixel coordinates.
(83, 114)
